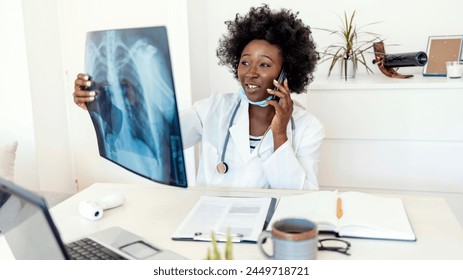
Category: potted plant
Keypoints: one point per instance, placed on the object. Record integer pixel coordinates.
(350, 51)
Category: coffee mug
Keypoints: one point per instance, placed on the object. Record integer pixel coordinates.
(292, 239)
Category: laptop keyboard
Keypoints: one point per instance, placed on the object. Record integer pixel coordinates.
(87, 249)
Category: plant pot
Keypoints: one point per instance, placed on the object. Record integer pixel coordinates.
(347, 69)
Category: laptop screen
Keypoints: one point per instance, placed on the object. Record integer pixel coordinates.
(135, 111)
(26, 225)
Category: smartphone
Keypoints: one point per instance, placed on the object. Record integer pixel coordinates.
(280, 80)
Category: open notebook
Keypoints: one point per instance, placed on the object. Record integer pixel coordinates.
(31, 233)
(362, 215)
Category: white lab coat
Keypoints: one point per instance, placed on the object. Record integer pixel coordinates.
(293, 165)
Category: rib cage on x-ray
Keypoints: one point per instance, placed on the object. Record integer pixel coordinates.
(135, 114)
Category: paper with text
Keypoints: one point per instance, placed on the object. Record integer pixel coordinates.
(243, 217)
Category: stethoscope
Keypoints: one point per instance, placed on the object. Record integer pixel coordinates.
(222, 166)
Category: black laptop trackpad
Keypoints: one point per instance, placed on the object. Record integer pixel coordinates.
(139, 250)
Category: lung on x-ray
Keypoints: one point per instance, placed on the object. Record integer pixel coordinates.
(135, 110)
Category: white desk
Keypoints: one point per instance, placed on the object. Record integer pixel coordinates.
(154, 212)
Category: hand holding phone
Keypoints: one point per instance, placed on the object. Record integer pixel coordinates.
(280, 80)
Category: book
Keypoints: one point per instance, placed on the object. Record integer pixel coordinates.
(360, 215)
(241, 218)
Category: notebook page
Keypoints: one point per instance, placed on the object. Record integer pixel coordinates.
(319, 207)
(371, 216)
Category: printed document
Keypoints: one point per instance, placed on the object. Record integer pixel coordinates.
(243, 218)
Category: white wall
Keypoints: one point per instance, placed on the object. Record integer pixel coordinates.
(60, 140)
(47, 92)
(16, 120)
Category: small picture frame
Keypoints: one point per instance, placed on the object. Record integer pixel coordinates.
(441, 49)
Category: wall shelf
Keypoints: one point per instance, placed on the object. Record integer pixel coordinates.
(378, 81)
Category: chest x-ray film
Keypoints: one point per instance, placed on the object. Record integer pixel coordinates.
(135, 110)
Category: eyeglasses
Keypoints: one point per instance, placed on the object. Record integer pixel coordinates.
(335, 245)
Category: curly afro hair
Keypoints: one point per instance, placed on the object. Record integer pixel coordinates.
(281, 28)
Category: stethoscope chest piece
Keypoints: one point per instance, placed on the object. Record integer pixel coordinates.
(222, 167)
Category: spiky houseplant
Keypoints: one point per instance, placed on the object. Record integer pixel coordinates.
(215, 254)
(353, 46)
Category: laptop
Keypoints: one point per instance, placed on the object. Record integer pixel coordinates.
(31, 234)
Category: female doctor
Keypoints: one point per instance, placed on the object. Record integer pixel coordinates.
(256, 137)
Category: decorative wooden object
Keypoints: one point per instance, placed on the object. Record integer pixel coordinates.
(380, 53)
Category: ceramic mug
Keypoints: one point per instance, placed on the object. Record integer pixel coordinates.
(292, 239)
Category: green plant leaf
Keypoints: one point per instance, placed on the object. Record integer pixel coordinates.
(215, 248)
(208, 256)
(353, 46)
(229, 247)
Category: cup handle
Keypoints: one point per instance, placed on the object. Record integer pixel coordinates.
(262, 237)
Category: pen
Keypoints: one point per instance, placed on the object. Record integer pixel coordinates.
(339, 208)
(219, 237)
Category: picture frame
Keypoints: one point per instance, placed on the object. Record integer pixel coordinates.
(441, 49)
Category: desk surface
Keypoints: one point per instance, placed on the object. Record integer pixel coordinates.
(154, 212)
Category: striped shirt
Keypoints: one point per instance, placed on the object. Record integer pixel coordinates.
(254, 141)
